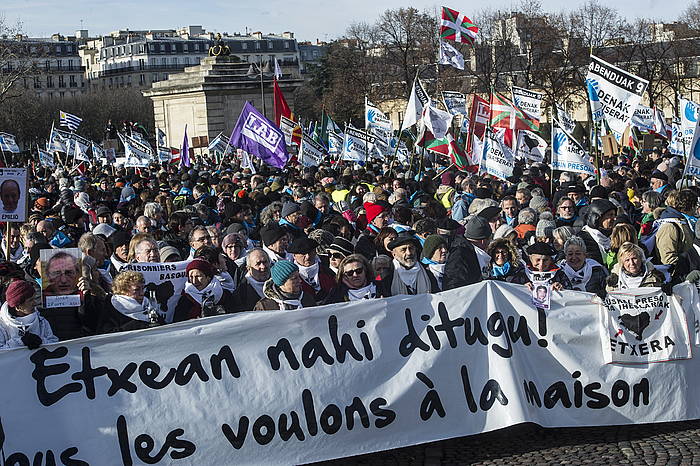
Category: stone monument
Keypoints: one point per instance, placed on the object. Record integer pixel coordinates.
(209, 97)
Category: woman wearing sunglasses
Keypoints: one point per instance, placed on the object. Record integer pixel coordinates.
(355, 281)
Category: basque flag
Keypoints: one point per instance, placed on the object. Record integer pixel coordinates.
(69, 121)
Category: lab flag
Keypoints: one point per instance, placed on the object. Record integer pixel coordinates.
(417, 100)
(260, 137)
(614, 94)
(457, 27)
(567, 154)
(8, 144)
(69, 121)
(450, 56)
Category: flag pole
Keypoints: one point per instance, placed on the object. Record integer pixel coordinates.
(396, 151)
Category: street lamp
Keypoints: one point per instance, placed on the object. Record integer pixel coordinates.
(255, 70)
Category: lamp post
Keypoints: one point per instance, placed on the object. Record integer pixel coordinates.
(255, 70)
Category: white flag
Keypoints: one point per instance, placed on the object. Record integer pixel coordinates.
(278, 70)
(568, 123)
(643, 118)
(689, 118)
(357, 145)
(567, 154)
(78, 152)
(418, 99)
(450, 56)
(497, 159)
(692, 166)
(532, 146)
(8, 144)
(660, 126)
(614, 94)
(528, 101)
(436, 121)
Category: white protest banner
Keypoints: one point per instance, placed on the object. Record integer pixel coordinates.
(375, 118)
(335, 143)
(643, 325)
(528, 101)
(676, 147)
(332, 381)
(455, 102)
(692, 166)
(357, 144)
(311, 153)
(164, 283)
(46, 159)
(531, 145)
(689, 111)
(567, 154)
(13, 194)
(497, 159)
(136, 149)
(287, 127)
(568, 123)
(60, 271)
(643, 118)
(8, 144)
(618, 93)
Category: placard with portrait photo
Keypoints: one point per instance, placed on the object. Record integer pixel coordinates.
(13, 194)
(60, 271)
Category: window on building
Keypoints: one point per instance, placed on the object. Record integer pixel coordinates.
(287, 44)
(37, 82)
(47, 65)
(244, 45)
(257, 44)
(59, 64)
(175, 61)
(49, 81)
(164, 61)
(154, 78)
(61, 94)
(61, 81)
(50, 95)
(142, 79)
(269, 44)
(72, 81)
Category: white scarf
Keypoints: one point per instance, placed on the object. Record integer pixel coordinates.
(117, 263)
(257, 286)
(409, 281)
(23, 323)
(438, 271)
(627, 281)
(366, 292)
(579, 279)
(274, 257)
(226, 281)
(16, 255)
(132, 308)
(213, 289)
(310, 274)
(602, 240)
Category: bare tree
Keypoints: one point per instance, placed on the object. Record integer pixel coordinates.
(15, 62)
(691, 15)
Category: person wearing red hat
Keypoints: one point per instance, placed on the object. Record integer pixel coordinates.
(203, 296)
(377, 218)
(20, 322)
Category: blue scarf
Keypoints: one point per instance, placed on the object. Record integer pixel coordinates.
(427, 261)
(691, 220)
(510, 220)
(289, 224)
(582, 202)
(500, 270)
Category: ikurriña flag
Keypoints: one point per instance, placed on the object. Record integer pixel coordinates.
(457, 27)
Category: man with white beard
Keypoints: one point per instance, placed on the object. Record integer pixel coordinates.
(409, 275)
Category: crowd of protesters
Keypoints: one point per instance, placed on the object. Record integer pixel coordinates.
(306, 236)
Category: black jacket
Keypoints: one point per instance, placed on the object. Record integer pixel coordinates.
(462, 267)
(245, 297)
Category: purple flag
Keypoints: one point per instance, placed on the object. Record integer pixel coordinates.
(185, 151)
(260, 137)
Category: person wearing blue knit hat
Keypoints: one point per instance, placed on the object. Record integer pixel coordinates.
(284, 290)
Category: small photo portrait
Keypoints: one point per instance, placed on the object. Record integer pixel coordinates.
(60, 271)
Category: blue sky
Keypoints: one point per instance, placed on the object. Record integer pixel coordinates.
(308, 19)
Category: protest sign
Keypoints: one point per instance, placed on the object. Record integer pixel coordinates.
(164, 283)
(60, 271)
(528, 101)
(357, 144)
(311, 152)
(13, 194)
(532, 146)
(567, 154)
(642, 326)
(455, 102)
(643, 118)
(565, 120)
(497, 159)
(614, 93)
(333, 381)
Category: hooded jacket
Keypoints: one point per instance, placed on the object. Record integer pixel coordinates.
(12, 329)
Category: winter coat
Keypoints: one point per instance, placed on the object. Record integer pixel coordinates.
(12, 329)
(560, 277)
(653, 277)
(273, 299)
(67, 323)
(245, 297)
(339, 294)
(365, 244)
(385, 285)
(673, 238)
(188, 308)
(105, 318)
(462, 266)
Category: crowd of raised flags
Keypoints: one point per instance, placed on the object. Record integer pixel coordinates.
(498, 126)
